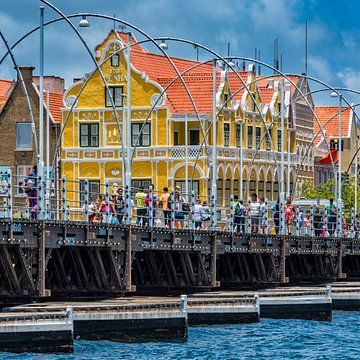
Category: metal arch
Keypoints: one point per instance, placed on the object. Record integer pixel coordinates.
(25, 92)
(175, 39)
(97, 66)
(267, 66)
(142, 32)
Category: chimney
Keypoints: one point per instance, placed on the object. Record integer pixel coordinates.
(57, 84)
(26, 72)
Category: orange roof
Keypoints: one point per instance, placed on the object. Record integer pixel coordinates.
(198, 80)
(4, 88)
(55, 105)
(328, 117)
(266, 94)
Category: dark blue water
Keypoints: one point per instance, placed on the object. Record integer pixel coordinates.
(269, 339)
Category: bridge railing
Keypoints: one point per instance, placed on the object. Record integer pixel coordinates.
(90, 201)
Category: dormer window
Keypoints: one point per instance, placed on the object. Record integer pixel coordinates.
(115, 60)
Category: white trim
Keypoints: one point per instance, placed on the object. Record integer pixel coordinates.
(190, 164)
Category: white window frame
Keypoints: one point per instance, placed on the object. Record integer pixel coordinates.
(117, 97)
(115, 60)
(19, 124)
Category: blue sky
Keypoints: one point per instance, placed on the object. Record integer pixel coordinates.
(334, 32)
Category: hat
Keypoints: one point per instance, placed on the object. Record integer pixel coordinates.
(177, 188)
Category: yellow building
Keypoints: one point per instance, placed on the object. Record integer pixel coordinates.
(173, 132)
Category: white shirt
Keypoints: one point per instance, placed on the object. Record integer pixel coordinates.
(197, 212)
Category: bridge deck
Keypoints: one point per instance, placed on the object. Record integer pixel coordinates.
(39, 258)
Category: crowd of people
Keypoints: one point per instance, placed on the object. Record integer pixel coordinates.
(161, 210)
(149, 209)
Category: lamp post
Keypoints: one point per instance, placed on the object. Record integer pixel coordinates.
(41, 119)
(282, 168)
(214, 162)
(339, 182)
(128, 130)
(240, 123)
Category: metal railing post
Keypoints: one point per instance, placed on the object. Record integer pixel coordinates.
(150, 219)
(193, 209)
(86, 199)
(353, 223)
(282, 230)
(107, 202)
(213, 213)
(297, 217)
(312, 228)
(172, 203)
(9, 195)
(39, 209)
(248, 225)
(326, 220)
(266, 217)
(128, 210)
(63, 199)
(231, 223)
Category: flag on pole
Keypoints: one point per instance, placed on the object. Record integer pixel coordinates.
(326, 160)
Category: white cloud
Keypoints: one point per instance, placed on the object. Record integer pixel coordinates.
(350, 78)
(319, 67)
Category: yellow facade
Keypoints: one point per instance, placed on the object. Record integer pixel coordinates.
(95, 152)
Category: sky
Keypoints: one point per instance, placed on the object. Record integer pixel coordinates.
(333, 29)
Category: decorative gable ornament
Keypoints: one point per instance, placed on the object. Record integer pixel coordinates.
(70, 101)
(158, 100)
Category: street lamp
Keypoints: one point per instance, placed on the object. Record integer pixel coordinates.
(84, 22)
(339, 200)
(163, 45)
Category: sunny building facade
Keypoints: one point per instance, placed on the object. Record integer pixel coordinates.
(171, 133)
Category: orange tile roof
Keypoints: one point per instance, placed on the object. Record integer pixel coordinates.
(4, 88)
(199, 80)
(324, 114)
(266, 94)
(55, 105)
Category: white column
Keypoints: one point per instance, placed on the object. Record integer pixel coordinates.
(282, 169)
(41, 117)
(186, 159)
(340, 230)
(128, 128)
(214, 155)
(241, 160)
